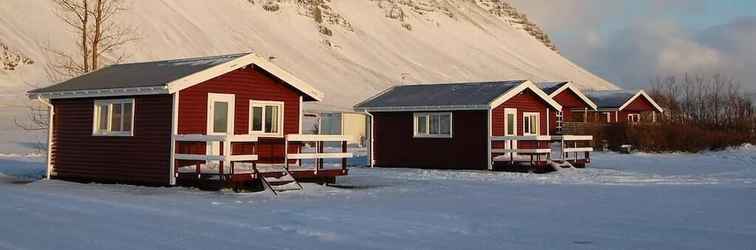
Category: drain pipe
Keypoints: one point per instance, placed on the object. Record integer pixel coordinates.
(51, 113)
(371, 161)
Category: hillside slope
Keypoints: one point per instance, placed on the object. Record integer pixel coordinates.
(357, 48)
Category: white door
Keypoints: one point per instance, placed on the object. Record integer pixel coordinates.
(510, 126)
(220, 118)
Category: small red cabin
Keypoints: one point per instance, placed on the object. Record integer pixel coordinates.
(574, 104)
(623, 106)
(460, 125)
(153, 122)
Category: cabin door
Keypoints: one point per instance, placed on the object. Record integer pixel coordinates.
(220, 119)
(510, 127)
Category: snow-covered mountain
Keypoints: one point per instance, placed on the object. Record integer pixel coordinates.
(350, 49)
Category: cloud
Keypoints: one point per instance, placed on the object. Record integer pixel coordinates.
(631, 42)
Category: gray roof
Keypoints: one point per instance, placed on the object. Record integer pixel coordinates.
(550, 87)
(611, 98)
(144, 74)
(440, 95)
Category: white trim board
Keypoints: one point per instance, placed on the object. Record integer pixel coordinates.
(155, 90)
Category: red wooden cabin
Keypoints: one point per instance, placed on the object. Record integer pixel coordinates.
(574, 103)
(460, 125)
(153, 122)
(623, 106)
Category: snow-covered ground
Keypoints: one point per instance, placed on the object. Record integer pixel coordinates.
(636, 201)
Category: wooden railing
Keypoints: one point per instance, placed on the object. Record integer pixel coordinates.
(535, 146)
(575, 145)
(225, 156)
(319, 155)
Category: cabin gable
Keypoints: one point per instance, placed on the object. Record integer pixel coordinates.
(246, 84)
(640, 104)
(525, 102)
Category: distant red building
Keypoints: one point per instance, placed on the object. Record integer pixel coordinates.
(623, 106)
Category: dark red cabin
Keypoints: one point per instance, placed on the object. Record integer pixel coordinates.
(459, 125)
(148, 122)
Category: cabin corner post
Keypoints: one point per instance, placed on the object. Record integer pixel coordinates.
(50, 126)
(489, 134)
(174, 132)
(370, 134)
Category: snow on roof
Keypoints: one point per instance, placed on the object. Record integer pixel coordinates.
(143, 74)
(440, 95)
(611, 98)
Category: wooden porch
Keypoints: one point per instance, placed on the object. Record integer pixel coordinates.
(234, 162)
(536, 154)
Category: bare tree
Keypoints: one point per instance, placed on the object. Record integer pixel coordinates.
(97, 33)
(97, 36)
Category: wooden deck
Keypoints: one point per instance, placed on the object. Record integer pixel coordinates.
(225, 169)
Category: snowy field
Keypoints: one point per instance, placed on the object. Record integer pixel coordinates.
(637, 201)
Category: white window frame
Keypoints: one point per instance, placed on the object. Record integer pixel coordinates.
(631, 120)
(428, 125)
(526, 127)
(608, 116)
(96, 131)
(263, 104)
(227, 98)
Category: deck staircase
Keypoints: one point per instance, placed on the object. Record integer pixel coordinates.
(277, 179)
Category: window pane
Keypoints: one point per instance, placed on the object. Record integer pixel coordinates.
(445, 124)
(257, 113)
(422, 125)
(273, 117)
(115, 121)
(103, 122)
(534, 124)
(128, 116)
(435, 122)
(510, 124)
(526, 124)
(268, 119)
(220, 117)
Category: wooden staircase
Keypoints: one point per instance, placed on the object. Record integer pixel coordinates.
(277, 179)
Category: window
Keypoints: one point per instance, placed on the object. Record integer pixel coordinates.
(433, 125)
(511, 121)
(530, 123)
(113, 117)
(633, 118)
(266, 118)
(608, 117)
